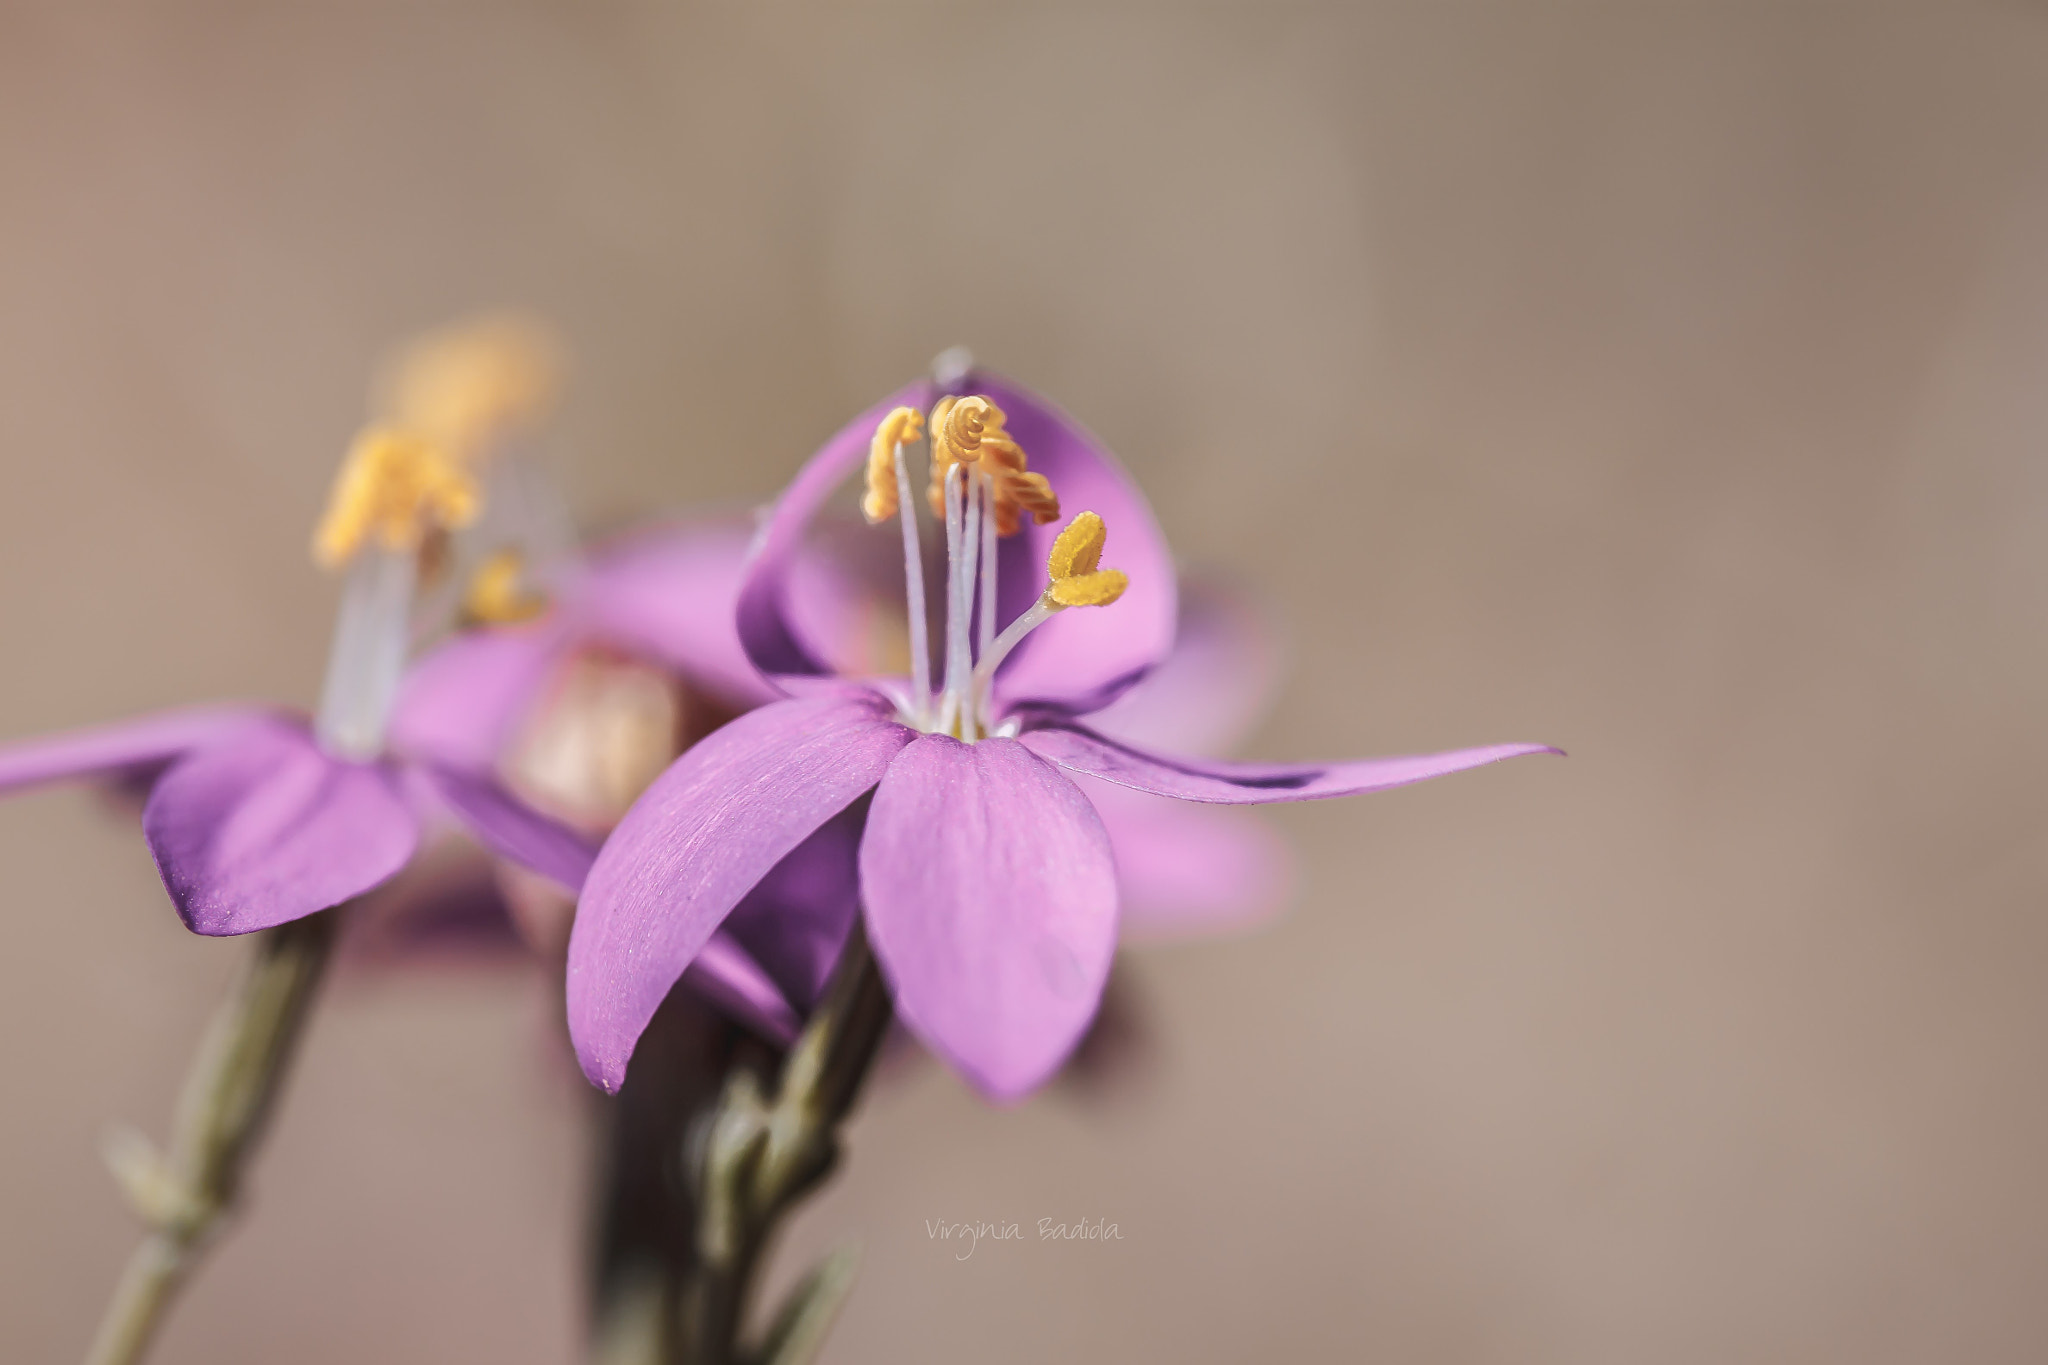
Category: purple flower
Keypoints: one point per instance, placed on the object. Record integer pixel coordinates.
(257, 817)
(986, 877)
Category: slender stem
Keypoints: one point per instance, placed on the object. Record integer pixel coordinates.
(184, 1194)
(913, 588)
(756, 1154)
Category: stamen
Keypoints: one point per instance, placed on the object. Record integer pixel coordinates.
(393, 486)
(898, 429)
(1076, 582)
(393, 489)
(888, 494)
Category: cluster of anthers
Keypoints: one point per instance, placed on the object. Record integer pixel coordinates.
(449, 403)
(981, 489)
(410, 477)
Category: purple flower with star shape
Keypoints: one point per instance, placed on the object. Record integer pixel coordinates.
(986, 878)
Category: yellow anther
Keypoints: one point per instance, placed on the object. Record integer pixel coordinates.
(1078, 548)
(1077, 581)
(901, 427)
(1097, 589)
(468, 386)
(959, 426)
(498, 595)
(971, 430)
(394, 486)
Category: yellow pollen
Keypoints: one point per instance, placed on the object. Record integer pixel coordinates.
(468, 386)
(901, 427)
(1097, 589)
(393, 486)
(498, 595)
(1077, 581)
(1078, 548)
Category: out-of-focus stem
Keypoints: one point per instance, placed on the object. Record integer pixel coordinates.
(756, 1155)
(183, 1195)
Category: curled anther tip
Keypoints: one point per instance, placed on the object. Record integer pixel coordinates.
(899, 428)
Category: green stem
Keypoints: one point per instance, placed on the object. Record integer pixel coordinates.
(183, 1195)
(761, 1154)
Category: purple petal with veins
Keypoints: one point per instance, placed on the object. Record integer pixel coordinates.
(1080, 750)
(700, 838)
(126, 748)
(991, 902)
(264, 827)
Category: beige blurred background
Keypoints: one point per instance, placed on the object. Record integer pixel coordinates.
(1669, 386)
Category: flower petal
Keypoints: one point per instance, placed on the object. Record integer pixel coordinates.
(1211, 689)
(262, 827)
(794, 922)
(767, 630)
(698, 840)
(1083, 659)
(459, 706)
(669, 596)
(125, 748)
(1083, 751)
(512, 829)
(1188, 870)
(724, 973)
(991, 902)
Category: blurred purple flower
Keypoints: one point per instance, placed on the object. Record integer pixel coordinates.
(987, 878)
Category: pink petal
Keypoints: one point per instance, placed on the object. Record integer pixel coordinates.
(1188, 870)
(460, 705)
(698, 840)
(1212, 689)
(123, 748)
(1080, 660)
(669, 596)
(512, 829)
(1082, 751)
(724, 973)
(263, 827)
(991, 901)
(794, 922)
(767, 631)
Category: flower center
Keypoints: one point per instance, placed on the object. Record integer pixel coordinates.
(980, 488)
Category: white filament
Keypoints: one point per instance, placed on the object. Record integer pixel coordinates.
(364, 665)
(913, 587)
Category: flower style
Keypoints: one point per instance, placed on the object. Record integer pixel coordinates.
(987, 881)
